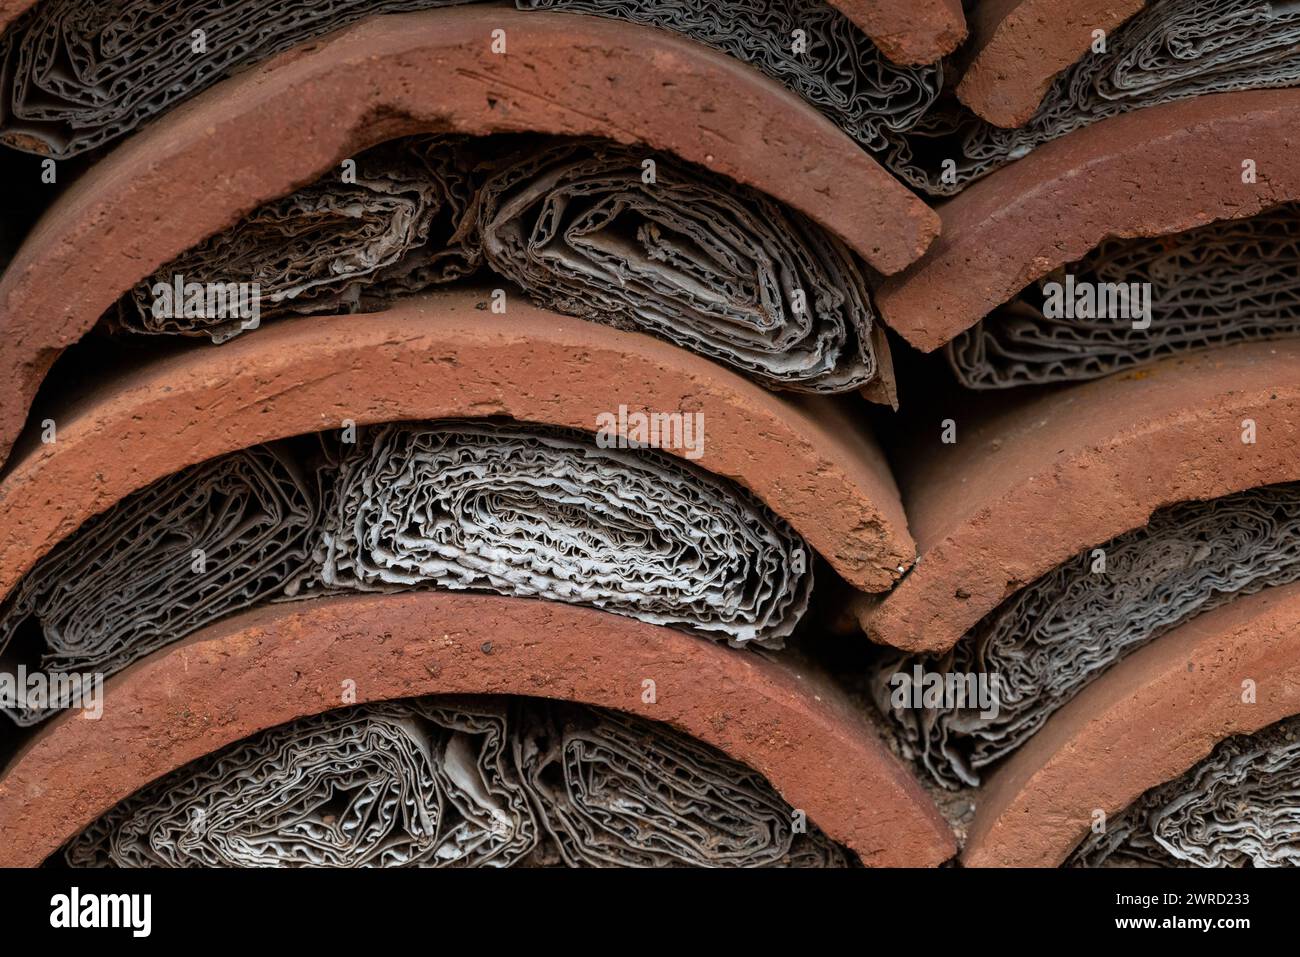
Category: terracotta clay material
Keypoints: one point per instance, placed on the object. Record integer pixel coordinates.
(289, 121)
(1025, 489)
(1147, 173)
(1144, 722)
(443, 356)
(1018, 47)
(908, 31)
(11, 10)
(276, 664)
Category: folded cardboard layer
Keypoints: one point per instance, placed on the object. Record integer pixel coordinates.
(1236, 808)
(1130, 302)
(459, 783)
(623, 237)
(513, 510)
(1053, 638)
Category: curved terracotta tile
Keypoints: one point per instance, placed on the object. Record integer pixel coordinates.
(1027, 488)
(1147, 173)
(1018, 47)
(906, 31)
(276, 664)
(909, 31)
(1144, 722)
(11, 10)
(443, 356)
(286, 122)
